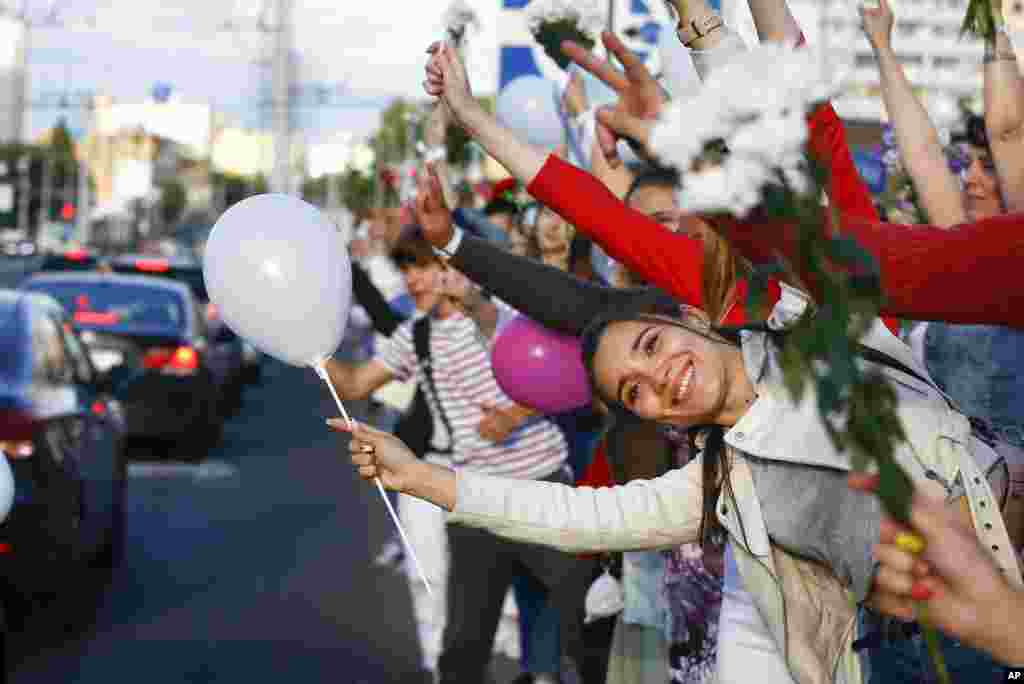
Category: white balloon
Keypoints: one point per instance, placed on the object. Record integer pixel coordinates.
(529, 106)
(279, 274)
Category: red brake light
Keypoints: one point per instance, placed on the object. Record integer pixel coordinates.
(98, 408)
(17, 426)
(176, 361)
(211, 311)
(76, 255)
(185, 358)
(152, 265)
(96, 318)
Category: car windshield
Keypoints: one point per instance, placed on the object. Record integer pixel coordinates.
(190, 276)
(118, 306)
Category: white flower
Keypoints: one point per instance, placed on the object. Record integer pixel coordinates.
(588, 15)
(756, 104)
(770, 138)
(459, 18)
(733, 187)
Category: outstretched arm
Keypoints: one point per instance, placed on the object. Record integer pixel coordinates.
(928, 272)
(550, 296)
(644, 514)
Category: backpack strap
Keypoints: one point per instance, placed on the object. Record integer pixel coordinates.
(421, 341)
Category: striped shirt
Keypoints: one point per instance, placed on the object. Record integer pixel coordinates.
(465, 382)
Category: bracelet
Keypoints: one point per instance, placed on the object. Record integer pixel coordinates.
(448, 251)
(698, 28)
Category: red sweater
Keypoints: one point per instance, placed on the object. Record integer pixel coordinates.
(960, 274)
(674, 262)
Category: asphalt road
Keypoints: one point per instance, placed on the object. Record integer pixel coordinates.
(254, 566)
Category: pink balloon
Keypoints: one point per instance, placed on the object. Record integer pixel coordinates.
(539, 368)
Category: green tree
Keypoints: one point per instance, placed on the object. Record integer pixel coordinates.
(173, 199)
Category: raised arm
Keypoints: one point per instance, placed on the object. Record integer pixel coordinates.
(1004, 113)
(552, 297)
(382, 316)
(917, 138)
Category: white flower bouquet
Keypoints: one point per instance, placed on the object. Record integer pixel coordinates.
(739, 144)
(459, 19)
(553, 21)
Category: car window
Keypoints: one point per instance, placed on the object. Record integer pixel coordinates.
(76, 353)
(49, 358)
(117, 306)
(13, 345)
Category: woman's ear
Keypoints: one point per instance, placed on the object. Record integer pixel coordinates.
(694, 316)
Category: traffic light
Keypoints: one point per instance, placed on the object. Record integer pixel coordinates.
(67, 212)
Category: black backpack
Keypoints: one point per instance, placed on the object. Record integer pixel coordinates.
(416, 427)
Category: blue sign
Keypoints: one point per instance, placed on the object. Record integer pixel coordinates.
(162, 92)
(871, 170)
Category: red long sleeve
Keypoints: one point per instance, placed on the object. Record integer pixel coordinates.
(959, 275)
(672, 262)
(827, 144)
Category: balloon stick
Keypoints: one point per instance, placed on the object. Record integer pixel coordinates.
(322, 372)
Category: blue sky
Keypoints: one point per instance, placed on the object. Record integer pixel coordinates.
(375, 48)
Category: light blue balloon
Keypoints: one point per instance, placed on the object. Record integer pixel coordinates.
(529, 106)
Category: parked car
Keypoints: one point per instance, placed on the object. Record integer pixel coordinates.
(149, 330)
(188, 271)
(74, 259)
(62, 432)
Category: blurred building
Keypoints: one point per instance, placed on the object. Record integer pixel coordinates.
(132, 148)
(13, 80)
(926, 38)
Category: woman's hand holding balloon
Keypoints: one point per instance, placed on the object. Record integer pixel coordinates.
(381, 454)
(946, 567)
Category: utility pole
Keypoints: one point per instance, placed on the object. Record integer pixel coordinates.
(281, 90)
(24, 168)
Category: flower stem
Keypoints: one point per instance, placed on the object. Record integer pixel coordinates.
(931, 640)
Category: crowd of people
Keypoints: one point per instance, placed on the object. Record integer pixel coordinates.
(744, 546)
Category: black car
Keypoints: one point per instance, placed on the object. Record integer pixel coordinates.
(77, 259)
(62, 431)
(149, 331)
(229, 347)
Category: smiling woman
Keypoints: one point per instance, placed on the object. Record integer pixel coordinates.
(768, 485)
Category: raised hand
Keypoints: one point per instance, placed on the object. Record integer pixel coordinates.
(877, 23)
(640, 96)
(447, 79)
(379, 454)
(431, 211)
(498, 423)
(453, 284)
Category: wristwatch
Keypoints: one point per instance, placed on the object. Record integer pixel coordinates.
(698, 28)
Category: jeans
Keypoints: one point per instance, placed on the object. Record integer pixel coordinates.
(538, 626)
(906, 661)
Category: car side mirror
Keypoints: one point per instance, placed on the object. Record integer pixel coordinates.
(224, 335)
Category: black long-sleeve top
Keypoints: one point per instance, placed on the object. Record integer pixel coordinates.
(384, 319)
(548, 295)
